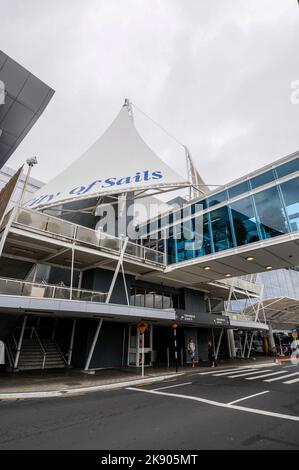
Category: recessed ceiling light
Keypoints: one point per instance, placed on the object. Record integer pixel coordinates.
(249, 258)
(207, 268)
(268, 267)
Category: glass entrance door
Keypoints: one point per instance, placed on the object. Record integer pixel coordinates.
(135, 347)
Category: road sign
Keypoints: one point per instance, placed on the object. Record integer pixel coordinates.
(143, 326)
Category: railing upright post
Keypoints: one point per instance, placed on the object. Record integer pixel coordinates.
(20, 343)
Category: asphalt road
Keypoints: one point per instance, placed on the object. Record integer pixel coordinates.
(200, 410)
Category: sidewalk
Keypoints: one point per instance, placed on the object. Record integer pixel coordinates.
(47, 382)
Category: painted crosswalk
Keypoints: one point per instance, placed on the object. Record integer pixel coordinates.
(265, 373)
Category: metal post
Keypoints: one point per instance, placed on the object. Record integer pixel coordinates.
(245, 344)
(125, 285)
(231, 343)
(123, 351)
(250, 345)
(72, 272)
(20, 343)
(167, 352)
(69, 360)
(175, 350)
(93, 344)
(182, 357)
(142, 355)
(218, 345)
(120, 260)
(31, 162)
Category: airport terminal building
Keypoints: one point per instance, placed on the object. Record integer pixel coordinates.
(84, 260)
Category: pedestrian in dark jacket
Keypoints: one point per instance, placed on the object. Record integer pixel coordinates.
(211, 355)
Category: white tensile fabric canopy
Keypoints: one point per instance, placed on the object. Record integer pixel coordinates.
(118, 162)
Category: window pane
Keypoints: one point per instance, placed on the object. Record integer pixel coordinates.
(244, 221)
(139, 297)
(150, 299)
(204, 244)
(239, 189)
(158, 301)
(262, 179)
(221, 229)
(166, 301)
(271, 213)
(217, 198)
(290, 191)
(288, 168)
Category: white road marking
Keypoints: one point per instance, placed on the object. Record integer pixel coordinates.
(293, 381)
(171, 386)
(247, 373)
(216, 403)
(250, 396)
(224, 370)
(266, 375)
(234, 371)
(282, 378)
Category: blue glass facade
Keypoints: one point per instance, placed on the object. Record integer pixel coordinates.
(239, 215)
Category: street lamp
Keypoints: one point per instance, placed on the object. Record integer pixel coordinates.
(30, 162)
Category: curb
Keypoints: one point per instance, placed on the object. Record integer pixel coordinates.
(96, 388)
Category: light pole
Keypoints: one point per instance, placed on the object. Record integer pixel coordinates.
(30, 162)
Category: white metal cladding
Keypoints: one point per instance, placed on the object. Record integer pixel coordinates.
(119, 161)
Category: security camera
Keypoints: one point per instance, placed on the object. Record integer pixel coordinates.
(31, 161)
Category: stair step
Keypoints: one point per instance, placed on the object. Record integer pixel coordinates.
(32, 355)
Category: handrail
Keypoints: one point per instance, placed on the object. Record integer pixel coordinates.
(60, 352)
(75, 228)
(54, 286)
(40, 343)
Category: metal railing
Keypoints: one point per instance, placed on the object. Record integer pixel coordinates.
(60, 228)
(34, 332)
(12, 349)
(49, 291)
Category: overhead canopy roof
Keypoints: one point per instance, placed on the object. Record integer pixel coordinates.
(118, 162)
(280, 309)
(26, 97)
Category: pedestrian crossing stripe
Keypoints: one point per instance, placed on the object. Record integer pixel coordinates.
(266, 375)
(262, 373)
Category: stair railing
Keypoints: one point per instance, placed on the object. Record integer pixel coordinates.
(60, 352)
(41, 345)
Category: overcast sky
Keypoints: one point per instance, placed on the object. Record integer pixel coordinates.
(216, 74)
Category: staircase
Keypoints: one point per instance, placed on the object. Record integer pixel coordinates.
(35, 355)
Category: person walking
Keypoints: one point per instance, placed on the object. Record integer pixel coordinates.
(191, 351)
(211, 355)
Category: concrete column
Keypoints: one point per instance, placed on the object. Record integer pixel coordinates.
(231, 343)
(271, 338)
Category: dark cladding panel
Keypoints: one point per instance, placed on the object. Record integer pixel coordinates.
(14, 76)
(33, 93)
(26, 97)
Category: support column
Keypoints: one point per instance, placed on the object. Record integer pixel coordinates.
(93, 345)
(69, 361)
(271, 338)
(231, 343)
(218, 345)
(20, 343)
(72, 272)
(119, 264)
(245, 344)
(250, 345)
